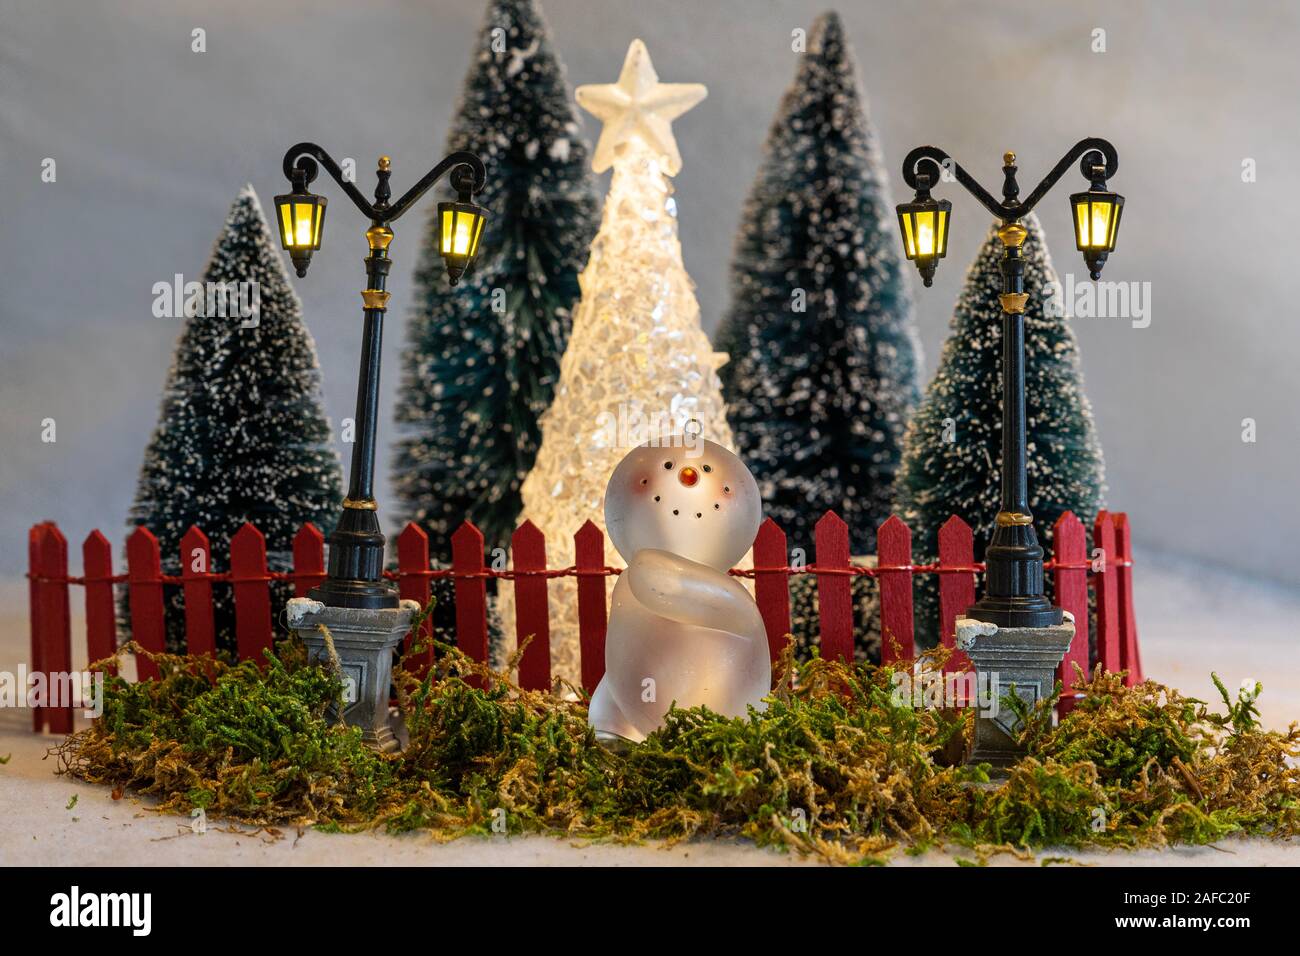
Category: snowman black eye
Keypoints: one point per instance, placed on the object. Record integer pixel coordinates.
(668, 465)
(708, 468)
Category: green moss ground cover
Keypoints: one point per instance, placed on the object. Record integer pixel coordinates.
(834, 766)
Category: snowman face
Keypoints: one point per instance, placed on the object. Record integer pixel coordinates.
(703, 506)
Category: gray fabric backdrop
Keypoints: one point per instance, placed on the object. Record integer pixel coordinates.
(152, 142)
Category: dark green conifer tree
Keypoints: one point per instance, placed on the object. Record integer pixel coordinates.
(242, 434)
(482, 358)
(824, 356)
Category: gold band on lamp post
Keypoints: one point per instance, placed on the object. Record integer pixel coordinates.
(379, 237)
(375, 298)
(1014, 302)
(1013, 234)
(367, 504)
(1009, 519)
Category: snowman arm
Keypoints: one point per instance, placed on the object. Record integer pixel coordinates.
(681, 590)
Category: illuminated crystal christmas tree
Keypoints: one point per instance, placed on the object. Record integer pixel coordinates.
(638, 364)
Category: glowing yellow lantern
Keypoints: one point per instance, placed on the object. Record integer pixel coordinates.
(301, 217)
(1096, 223)
(460, 228)
(924, 224)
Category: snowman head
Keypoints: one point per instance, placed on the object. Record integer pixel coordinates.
(703, 505)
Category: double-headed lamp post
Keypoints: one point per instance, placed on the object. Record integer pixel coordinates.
(1013, 593)
(356, 553)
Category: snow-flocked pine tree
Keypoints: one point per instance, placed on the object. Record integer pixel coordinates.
(824, 354)
(482, 358)
(639, 365)
(242, 434)
(952, 456)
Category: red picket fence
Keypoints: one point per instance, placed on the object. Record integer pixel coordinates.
(1109, 572)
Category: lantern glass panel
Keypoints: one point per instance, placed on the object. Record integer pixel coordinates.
(926, 229)
(1114, 226)
(479, 221)
(448, 229)
(304, 224)
(286, 224)
(462, 237)
(1094, 224)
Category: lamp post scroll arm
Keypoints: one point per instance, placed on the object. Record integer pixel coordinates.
(1088, 151)
(306, 158)
(467, 176)
(931, 160)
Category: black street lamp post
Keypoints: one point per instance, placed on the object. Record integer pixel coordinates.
(356, 553)
(1013, 592)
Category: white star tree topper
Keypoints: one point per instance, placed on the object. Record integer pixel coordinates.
(638, 106)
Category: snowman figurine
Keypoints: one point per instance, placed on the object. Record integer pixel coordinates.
(681, 630)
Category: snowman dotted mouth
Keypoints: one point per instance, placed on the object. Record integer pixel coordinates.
(688, 477)
(678, 511)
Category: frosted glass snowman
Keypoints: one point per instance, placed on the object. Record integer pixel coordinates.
(681, 630)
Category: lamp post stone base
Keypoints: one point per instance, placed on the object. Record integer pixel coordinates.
(1023, 657)
(364, 640)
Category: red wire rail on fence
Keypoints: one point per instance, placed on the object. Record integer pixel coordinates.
(1109, 572)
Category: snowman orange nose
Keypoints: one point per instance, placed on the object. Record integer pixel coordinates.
(688, 476)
